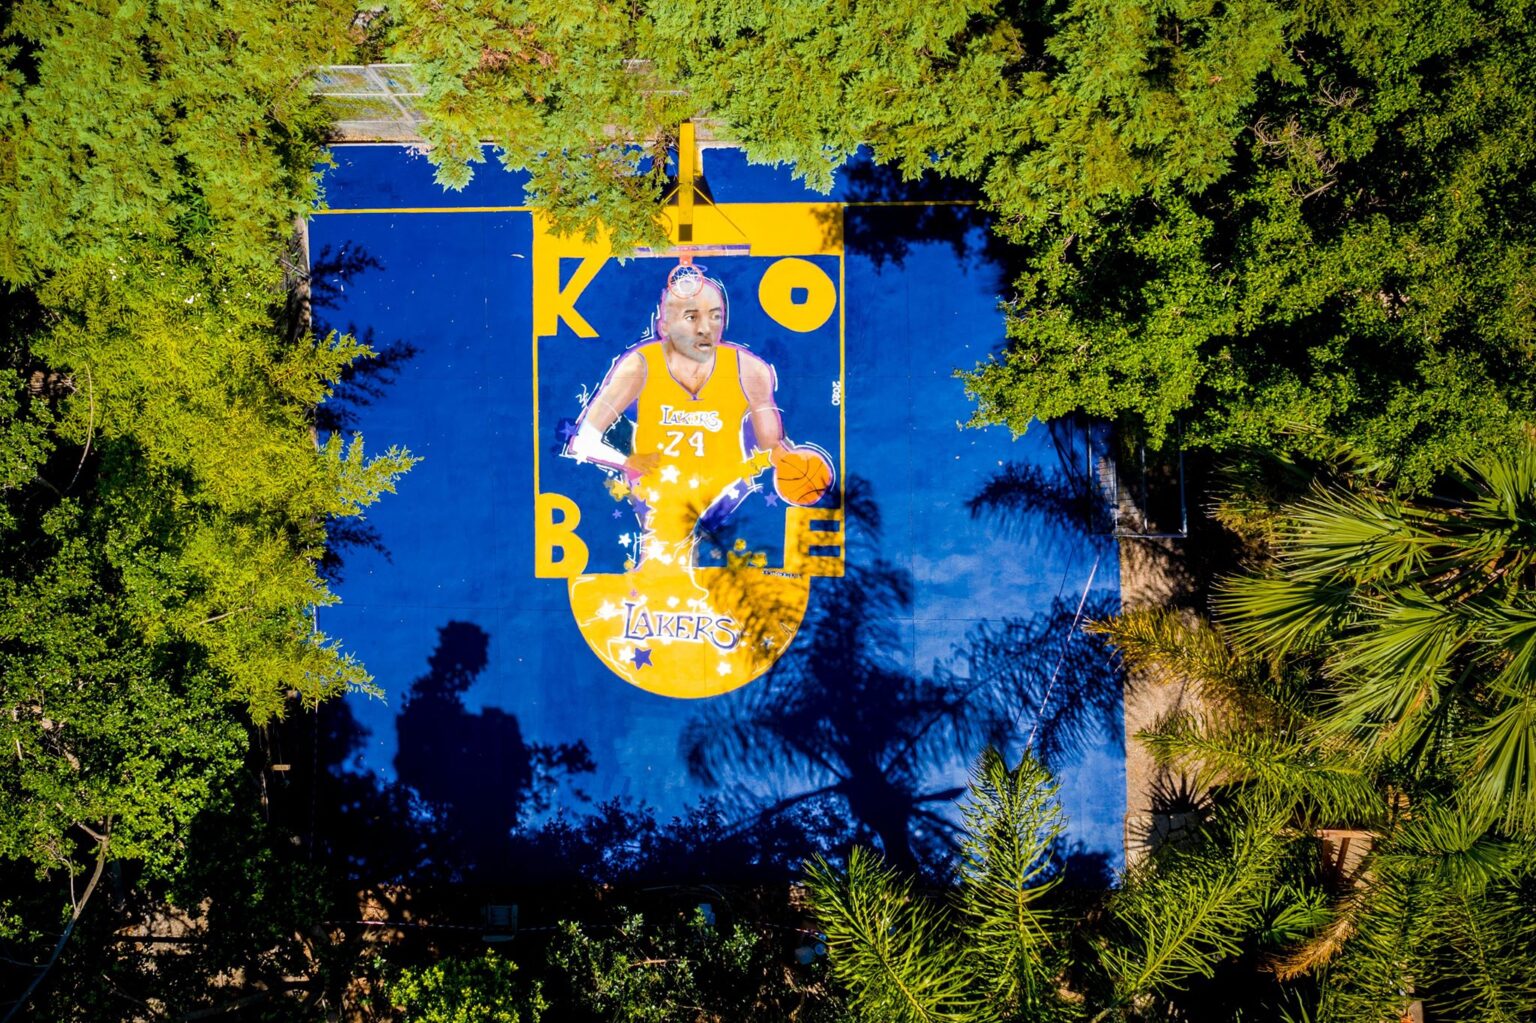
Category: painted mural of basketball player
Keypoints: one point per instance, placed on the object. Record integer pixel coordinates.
(706, 421)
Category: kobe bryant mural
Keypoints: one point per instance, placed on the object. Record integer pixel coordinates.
(689, 439)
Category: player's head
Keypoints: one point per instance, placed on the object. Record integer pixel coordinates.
(692, 314)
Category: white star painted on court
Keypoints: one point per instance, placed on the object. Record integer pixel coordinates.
(724, 668)
(669, 474)
(607, 610)
(624, 540)
(730, 493)
(671, 601)
(694, 481)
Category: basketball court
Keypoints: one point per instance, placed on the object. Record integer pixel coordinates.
(814, 608)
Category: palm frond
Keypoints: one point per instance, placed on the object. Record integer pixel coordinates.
(1486, 971)
(1323, 947)
(1403, 634)
(1283, 615)
(1361, 535)
(1012, 823)
(1499, 523)
(1373, 974)
(1446, 846)
(1184, 912)
(893, 951)
(1324, 783)
(1177, 647)
(1392, 716)
(1510, 635)
(1503, 776)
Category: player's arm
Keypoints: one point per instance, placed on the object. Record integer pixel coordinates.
(758, 383)
(615, 395)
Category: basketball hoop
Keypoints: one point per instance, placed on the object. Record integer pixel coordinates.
(685, 280)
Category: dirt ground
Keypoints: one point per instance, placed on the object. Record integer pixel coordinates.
(1153, 572)
(1172, 572)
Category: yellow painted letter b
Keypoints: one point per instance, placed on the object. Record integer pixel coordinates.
(551, 533)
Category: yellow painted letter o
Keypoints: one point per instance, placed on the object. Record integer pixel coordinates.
(798, 294)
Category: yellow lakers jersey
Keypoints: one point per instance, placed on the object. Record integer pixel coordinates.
(700, 435)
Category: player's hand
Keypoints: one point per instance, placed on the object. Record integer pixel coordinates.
(641, 464)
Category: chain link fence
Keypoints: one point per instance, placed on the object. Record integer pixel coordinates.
(371, 102)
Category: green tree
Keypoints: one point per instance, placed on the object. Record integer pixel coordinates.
(165, 499)
(586, 98)
(1276, 224)
(483, 990)
(628, 968)
(1003, 945)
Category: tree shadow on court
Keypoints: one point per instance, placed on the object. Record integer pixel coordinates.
(361, 384)
(844, 741)
(467, 784)
(1020, 497)
(902, 213)
(847, 728)
(473, 777)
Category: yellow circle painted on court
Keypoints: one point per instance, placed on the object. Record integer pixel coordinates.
(798, 294)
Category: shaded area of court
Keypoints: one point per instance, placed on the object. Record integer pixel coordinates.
(508, 746)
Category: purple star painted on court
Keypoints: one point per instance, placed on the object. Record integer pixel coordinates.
(618, 513)
(642, 658)
(566, 430)
(771, 500)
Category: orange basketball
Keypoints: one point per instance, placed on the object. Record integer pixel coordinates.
(801, 475)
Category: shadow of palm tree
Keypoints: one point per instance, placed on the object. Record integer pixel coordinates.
(1055, 685)
(1069, 495)
(850, 728)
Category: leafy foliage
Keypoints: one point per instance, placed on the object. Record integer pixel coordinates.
(891, 951)
(1420, 615)
(1279, 224)
(586, 98)
(465, 991)
(165, 497)
(642, 968)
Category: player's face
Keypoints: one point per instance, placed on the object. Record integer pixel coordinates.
(694, 324)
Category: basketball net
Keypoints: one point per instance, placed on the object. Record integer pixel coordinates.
(685, 280)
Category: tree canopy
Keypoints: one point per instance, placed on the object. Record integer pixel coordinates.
(165, 497)
(1255, 222)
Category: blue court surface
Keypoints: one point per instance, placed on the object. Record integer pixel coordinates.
(806, 612)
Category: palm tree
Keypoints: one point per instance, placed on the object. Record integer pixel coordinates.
(1421, 619)
(1376, 676)
(1432, 913)
(1006, 944)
